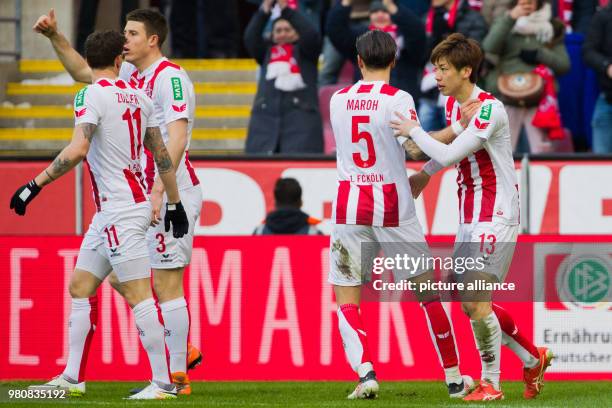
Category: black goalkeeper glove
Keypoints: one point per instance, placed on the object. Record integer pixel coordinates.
(175, 215)
(23, 196)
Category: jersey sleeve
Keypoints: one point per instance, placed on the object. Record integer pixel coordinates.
(485, 121)
(403, 104)
(173, 96)
(149, 108)
(88, 106)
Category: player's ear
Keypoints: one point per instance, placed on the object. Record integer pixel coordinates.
(393, 63)
(360, 63)
(118, 62)
(153, 40)
(466, 72)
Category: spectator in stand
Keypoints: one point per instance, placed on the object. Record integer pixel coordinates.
(285, 117)
(332, 59)
(287, 217)
(493, 9)
(445, 17)
(528, 40)
(402, 24)
(597, 53)
(86, 22)
(204, 28)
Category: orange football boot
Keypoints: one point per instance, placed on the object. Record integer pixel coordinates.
(534, 377)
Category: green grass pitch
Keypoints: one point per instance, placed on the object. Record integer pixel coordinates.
(329, 394)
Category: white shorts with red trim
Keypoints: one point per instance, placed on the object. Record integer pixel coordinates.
(167, 252)
(115, 240)
(492, 241)
(354, 247)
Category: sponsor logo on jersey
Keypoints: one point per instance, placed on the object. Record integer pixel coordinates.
(177, 89)
(485, 112)
(80, 113)
(179, 108)
(79, 99)
(413, 114)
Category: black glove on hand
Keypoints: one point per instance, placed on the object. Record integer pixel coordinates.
(23, 196)
(175, 214)
(529, 56)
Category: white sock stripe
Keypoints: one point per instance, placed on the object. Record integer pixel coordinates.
(145, 307)
(173, 304)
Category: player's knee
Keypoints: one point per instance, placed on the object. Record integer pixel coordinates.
(79, 289)
(114, 282)
(469, 308)
(168, 284)
(136, 291)
(476, 310)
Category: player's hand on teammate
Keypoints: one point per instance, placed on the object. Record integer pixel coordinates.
(23, 196)
(403, 125)
(176, 216)
(46, 24)
(418, 182)
(156, 198)
(468, 109)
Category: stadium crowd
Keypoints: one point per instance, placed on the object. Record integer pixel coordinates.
(540, 56)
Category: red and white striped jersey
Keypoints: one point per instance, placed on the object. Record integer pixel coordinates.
(174, 98)
(487, 183)
(121, 114)
(373, 187)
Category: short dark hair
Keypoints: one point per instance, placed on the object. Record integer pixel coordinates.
(376, 48)
(154, 22)
(287, 193)
(102, 47)
(460, 52)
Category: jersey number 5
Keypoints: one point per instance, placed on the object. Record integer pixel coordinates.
(357, 136)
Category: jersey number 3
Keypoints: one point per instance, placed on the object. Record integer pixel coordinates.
(357, 136)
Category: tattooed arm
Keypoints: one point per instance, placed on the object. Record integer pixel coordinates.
(153, 141)
(70, 156)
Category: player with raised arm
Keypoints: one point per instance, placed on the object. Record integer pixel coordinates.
(488, 206)
(374, 207)
(174, 99)
(110, 118)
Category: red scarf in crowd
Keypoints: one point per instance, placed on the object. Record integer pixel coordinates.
(283, 68)
(565, 13)
(451, 17)
(391, 29)
(547, 116)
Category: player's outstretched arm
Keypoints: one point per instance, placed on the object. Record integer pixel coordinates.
(175, 213)
(65, 161)
(465, 144)
(74, 63)
(447, 135)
